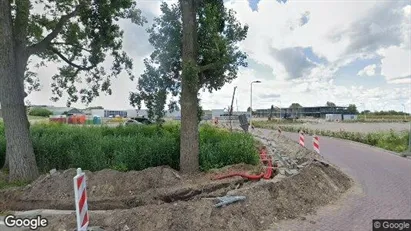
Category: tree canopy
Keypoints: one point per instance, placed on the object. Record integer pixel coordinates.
(218, 57)
(352, 109)
(80, 35)
(295, 105)
(330, 104)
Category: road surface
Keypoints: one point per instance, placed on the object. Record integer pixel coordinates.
(382, 189)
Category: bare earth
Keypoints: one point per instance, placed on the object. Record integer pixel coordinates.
(162, 199)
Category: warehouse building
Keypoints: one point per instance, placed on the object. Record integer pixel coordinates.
(317, 112)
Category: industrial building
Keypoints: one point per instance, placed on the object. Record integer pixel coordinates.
(222, 113)
(317, 112)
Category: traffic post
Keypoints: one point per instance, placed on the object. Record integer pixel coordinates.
(80, 197)
(316, 144)
(302, 138)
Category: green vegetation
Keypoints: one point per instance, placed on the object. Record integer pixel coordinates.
(383, 118)
(42, 112)
(273, 123)
(390, 140)
(5, 185)
(219, 56)
(385, 113)
(131, 148)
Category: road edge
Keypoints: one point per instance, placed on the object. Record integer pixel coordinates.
(361, 144)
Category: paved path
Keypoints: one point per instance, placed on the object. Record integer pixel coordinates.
(382, 190)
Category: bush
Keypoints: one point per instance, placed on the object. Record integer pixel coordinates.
(40, 112)
(124, 148)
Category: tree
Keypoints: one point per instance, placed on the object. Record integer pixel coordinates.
(330, 104)
(195, 47)
(78, 36)
(248, 109)
(352, 109)
(295, 105)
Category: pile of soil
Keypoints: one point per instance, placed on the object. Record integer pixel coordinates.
(266, 202)
(110, 189)
(285, 145)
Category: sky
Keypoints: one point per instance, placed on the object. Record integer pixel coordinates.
(303, 51)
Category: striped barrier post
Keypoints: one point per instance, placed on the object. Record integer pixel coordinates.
(316, 144)
(301, 139)
(80, 196)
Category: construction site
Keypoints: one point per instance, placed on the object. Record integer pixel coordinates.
(290, 182)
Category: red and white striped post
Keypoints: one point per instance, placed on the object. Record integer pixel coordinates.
(316, 144)
(301, 138)
(80, 196)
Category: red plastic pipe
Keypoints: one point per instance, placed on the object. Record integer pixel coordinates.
(267, 175)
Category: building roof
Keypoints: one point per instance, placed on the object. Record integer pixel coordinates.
(75, 111)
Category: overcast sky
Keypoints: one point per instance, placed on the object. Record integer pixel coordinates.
(308, 52)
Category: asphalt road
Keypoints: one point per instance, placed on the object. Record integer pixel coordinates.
(382, 189)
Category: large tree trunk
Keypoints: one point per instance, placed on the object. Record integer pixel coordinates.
(189, 141)
(21, 160)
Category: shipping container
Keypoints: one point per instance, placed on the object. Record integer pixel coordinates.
(349, 117)
(333, 117)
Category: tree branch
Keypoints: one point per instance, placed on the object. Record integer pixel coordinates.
(65, 59)
(43, 44)
(74, 45)
(208, 67)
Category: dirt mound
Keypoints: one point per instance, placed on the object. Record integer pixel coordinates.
(110, 189)
(266, 201)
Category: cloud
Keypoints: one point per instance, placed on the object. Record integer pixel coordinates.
(298, 65)
(301, 20)
(396, 64)
(368, 70)
(380, 28)
(294, 61)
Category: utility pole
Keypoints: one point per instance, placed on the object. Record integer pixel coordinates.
(231, 109)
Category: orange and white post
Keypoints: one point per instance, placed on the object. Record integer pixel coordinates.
(302, 138)
(316, 144)
(80, 196)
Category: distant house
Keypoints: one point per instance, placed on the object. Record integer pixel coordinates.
(75, 111)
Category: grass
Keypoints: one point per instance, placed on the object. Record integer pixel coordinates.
(389, 140)
(382, 118)
(6, 185)
(123, 148)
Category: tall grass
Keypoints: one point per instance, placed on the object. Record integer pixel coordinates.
(63, 146)
(390, 140)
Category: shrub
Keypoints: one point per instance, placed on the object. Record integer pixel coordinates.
(40, 112)
(392, 141)
(124, 148)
